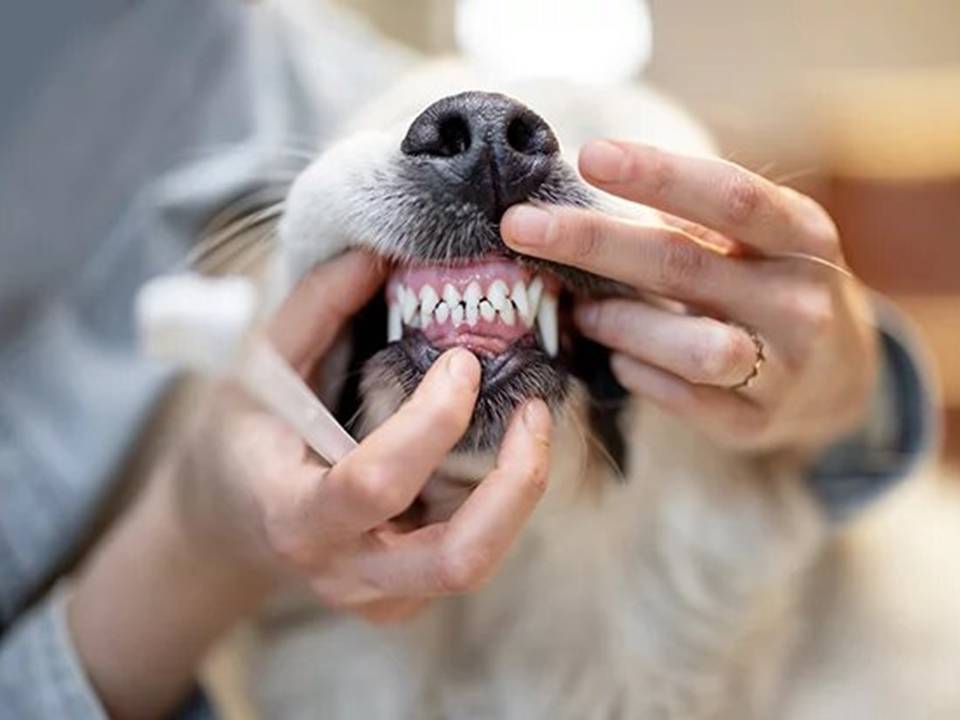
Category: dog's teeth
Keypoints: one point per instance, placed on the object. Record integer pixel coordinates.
(451, 296)
(487, 311)
(471, 296)
(497, 295)
(409, 300)
(508, 314)
(442, 312)
(471, 314)
(428, 299)
(519, 297)
(533, 295)
(456, 314)
(547, 320)
(394, 323)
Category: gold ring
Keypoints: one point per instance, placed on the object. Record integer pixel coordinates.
(761, 358)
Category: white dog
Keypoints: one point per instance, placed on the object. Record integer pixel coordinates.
(662, 576)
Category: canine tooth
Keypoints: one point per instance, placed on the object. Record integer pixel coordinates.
(451, 295)
(472, 314)
(409, 300)
(442, 312)
(547, 320)
(471, 296)
(497, 294)
(487, 311)
(394, 323)
(519, 297)
(508, 314)
(456, 314)
(428, 299)
(533, 294)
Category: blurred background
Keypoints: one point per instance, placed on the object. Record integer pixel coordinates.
(856, 103)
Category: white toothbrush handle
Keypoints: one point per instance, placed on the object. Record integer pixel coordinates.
(268, 377)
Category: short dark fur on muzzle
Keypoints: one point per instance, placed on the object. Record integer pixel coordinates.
(464, 160)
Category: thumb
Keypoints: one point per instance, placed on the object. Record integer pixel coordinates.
(306, 324)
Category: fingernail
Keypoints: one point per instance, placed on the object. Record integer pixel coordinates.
(602, 160)
(463, 366)
(587, 315)
(525, 225)
(536, 416)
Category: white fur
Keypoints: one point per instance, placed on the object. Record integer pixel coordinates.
(678, 592)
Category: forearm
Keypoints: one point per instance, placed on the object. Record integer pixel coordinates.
(149, 604)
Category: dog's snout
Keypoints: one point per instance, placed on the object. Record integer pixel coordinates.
(488, 148)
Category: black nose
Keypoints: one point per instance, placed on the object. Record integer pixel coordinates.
(488, 149)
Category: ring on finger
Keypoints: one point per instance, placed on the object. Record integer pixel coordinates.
(758, 362)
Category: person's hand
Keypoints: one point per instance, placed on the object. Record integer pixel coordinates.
(250, 486)
(726, 247)
(245, 506)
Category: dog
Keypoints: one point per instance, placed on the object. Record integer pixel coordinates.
(662, 576)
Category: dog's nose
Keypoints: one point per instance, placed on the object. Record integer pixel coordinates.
(487, 148)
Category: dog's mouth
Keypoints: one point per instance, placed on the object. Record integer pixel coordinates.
(506, 312)
(490, 306)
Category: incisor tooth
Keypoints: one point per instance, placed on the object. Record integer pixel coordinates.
(394, 323)
(471, 296)
(428, 299)
(547, 320)
(409, 301)
(456, 314)
(508, 314)
(472, 314)
(442, 312)
(451, 296)
(497, 294)
(487, 311)
(519, 297)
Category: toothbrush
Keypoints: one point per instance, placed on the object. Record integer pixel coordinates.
(206, 324)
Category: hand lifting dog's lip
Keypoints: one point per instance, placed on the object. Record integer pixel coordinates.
(430, 205)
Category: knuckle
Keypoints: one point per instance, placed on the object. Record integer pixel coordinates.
(682, 262)
(376, 488)
(614, 316)
(742, 198)
(287, 543)
(723, 356)
(587, 236)
(659, 171)
(815, 314)
(535, 479)
(463, 571)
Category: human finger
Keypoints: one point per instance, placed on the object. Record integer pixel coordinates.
(714, 193)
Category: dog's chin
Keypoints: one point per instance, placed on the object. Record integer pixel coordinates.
(521, 372)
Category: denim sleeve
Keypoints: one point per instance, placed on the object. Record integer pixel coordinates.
(40, 674)
(899, 432)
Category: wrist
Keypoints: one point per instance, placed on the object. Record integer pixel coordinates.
(149, 603)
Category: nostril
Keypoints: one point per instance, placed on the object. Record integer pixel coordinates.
(529, 135)
(442, 134)
(520, 135)
(453, 135)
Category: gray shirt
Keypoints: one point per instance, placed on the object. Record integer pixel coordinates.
(124, 126)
